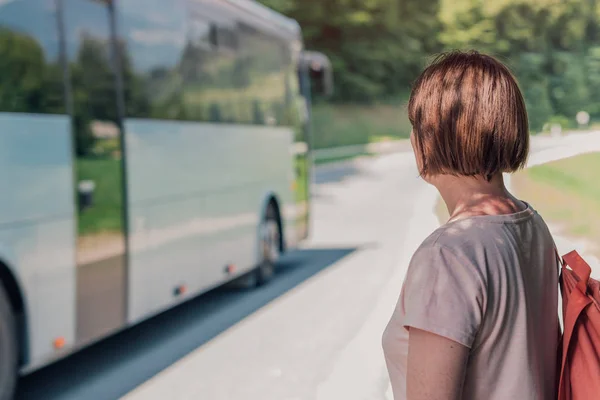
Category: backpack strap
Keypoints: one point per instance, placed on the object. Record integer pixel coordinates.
(561, 261)
(581, 268)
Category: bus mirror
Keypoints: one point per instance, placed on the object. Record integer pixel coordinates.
(320, 72)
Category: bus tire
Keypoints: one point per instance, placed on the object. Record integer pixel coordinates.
(270, 246)
(8, 348)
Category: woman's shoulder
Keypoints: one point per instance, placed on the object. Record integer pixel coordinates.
(479, 229)
(457, 234)
(447, 243)
(479, 239)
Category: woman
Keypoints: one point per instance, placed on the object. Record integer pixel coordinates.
(477, 317)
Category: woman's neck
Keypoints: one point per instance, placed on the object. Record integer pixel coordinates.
(472, 196)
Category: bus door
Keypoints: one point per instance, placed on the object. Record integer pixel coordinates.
(96, 109)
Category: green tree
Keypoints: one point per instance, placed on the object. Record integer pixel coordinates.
(22, 73)
(569, 93)
(592, 66)
(135, 94)
(376, 46)
(94, 93)
(534, 85)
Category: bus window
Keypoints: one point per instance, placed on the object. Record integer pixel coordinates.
(153, 51)
(265, 61)
(31, 75)
(198, 70)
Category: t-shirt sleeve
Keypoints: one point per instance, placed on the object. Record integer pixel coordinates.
(444, 294)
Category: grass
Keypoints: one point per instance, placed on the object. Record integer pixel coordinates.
(302, 179)
(566, 193)
(329, 160)
(105, 214)
(345, 125)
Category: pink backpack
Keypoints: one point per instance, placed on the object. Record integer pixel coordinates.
(579, 377)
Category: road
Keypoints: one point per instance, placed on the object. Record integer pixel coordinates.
(313, 333)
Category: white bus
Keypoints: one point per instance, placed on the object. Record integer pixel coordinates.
(150, 150)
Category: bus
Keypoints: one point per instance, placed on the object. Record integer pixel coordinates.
(150, 151)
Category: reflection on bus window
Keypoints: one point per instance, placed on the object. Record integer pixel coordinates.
(31, 76)
(217, 70)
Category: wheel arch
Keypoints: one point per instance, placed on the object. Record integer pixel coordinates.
(272, 200)
(12, 287)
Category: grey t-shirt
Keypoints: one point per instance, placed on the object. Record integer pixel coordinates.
(491, 284)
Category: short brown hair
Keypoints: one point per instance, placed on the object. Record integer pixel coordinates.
(468, 117)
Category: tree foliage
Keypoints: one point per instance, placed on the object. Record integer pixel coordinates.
(379, 46)
(376, 46)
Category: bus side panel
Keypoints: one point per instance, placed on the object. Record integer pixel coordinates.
(195, 193)
(37, 225)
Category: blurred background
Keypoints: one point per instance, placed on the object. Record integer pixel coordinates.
(217, 199)
(378, 48)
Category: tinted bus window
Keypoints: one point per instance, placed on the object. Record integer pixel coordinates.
(215, 91)
(200, 70)
(153, 50)
(201, 62)
(265, 59)
(31, 75)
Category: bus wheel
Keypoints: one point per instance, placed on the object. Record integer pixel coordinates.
(8, 348)
(270, 246)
